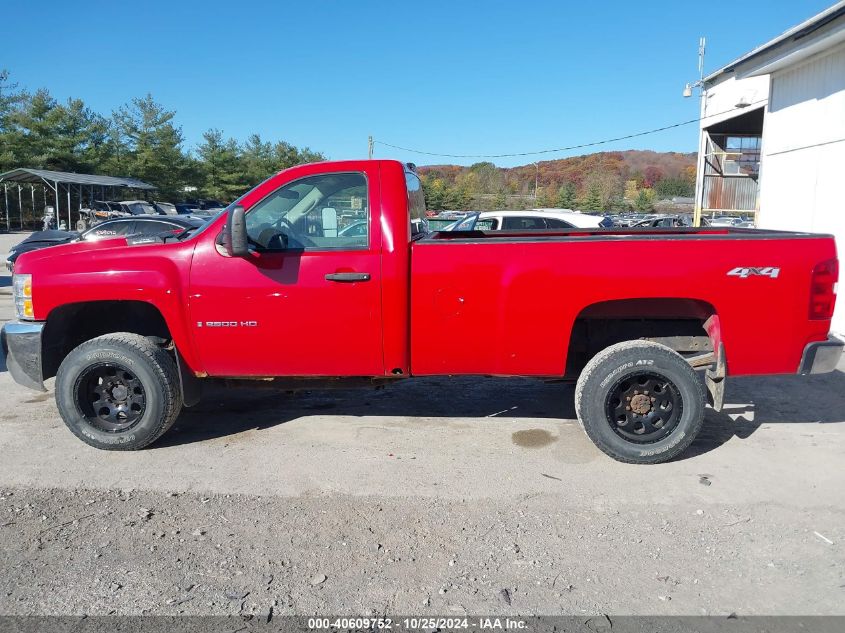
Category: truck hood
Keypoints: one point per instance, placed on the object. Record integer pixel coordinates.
(26, 261)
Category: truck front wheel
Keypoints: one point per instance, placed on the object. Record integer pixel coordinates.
(640, 402)
(118, 392)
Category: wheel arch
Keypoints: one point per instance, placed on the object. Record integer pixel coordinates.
(686, 325)
(70, 325)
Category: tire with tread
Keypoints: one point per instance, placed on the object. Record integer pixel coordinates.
(151, 364)
(611, 365)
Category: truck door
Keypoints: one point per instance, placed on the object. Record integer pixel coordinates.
(307, 299)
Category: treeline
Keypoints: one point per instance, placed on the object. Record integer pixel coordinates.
(606, 181)
(140, 139)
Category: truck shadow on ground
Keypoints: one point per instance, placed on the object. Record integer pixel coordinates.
(229, 411)
(751, 403)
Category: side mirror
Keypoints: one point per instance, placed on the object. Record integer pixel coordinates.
(235, 237)
(329, 218)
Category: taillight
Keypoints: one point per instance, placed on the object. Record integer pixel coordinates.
(823, 289)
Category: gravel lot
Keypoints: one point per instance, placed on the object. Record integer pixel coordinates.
(444, 496)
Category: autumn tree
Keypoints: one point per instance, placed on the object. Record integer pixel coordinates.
(651, 176)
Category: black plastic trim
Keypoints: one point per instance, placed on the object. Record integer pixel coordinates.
(609, 235)
(821, 357)
(21, 341)
(348, 277)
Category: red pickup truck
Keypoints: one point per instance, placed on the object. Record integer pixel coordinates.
(326, 271)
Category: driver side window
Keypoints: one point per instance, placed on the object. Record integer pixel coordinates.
(327, 211)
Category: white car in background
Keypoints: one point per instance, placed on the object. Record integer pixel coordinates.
(536, 219)
(727, 220)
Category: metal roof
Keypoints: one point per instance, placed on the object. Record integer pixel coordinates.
(41, 175)
(794, 34)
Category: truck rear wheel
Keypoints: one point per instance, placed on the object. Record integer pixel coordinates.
(118, 392)
(640, 402)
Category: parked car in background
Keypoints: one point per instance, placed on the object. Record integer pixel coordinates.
(438, 223)
(534, 219)
(101, 210)
(452, 215)
(200, 207)
(148, 225)
(97, 211)
(189, 208)
(727, 220)
(165, 208)
(139, 207)
(669, 221)
(356, 228)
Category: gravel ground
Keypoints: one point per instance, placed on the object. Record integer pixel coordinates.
(433, 496)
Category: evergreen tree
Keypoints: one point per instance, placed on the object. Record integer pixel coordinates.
(223, 173)
(11, 99)
(671, 187)
(258, 160)
(153, 145)
(644, 200)
(566, 196)
(592, 199)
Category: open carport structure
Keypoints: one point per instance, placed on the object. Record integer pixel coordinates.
(65, 190)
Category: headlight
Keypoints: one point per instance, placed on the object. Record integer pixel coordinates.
(22, 292)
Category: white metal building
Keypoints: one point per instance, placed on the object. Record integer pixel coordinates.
(772, 140)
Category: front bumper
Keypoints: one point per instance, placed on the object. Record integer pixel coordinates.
(821, 357)
(21, 342)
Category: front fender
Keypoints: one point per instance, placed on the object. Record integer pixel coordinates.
(155, 274)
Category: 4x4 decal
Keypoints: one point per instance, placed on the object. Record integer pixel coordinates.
(745, 272)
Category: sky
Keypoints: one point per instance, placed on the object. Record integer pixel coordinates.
(459, 77)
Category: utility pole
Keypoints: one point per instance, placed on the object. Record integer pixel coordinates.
(370, 147)
(536, 180)
(702, 145)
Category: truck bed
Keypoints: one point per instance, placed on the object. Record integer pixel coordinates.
(478, 285)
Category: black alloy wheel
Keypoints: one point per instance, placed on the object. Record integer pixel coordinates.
(643, 407)
(110, 397)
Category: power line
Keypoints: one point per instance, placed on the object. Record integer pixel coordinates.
(571, 147)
